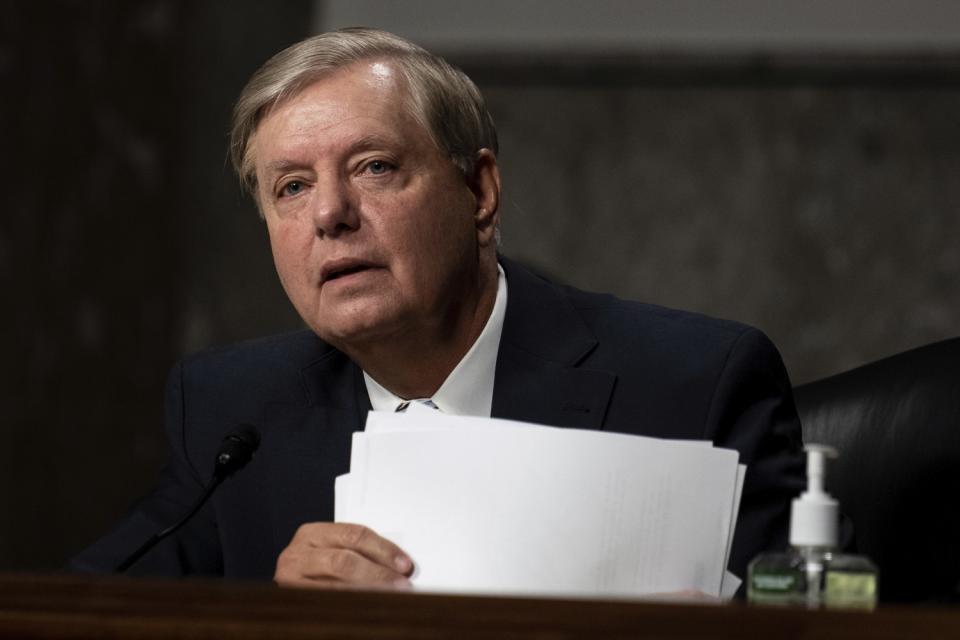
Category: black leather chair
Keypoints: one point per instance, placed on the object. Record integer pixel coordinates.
(896, 423)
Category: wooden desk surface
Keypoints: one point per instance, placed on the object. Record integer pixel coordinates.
(36, 606)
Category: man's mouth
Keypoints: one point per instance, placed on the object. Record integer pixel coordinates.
(345, 272)
(342, 269)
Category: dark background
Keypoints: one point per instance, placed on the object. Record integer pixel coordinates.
(812, 195)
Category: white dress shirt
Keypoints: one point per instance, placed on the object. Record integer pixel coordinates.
(468, 390)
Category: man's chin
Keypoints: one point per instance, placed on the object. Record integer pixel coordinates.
(355, 335)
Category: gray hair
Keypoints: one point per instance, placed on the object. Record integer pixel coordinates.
(441, 97)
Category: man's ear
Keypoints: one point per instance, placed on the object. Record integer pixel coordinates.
(485, 185)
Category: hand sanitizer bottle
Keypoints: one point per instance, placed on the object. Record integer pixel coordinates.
(812, 573)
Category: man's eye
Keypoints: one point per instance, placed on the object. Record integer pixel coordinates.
(378, 167)
(292, 188)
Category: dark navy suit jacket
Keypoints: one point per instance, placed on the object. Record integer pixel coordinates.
(567, 358)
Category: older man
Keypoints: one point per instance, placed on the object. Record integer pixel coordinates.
(374, 166)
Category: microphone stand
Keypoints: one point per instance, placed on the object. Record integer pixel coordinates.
(155, 539)
(235, 452)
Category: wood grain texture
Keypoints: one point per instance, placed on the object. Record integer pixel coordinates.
(78, 607)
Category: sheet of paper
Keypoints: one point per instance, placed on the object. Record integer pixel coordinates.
(496, 506)
(341, 498)
(731, 582)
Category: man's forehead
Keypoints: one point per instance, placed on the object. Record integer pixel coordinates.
(361, 88)
(380, 77)
(358, 107)
(381, 71)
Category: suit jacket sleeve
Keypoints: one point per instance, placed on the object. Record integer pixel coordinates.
(195, 549)
(753, 412)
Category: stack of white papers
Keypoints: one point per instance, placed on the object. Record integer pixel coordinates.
(496, 506)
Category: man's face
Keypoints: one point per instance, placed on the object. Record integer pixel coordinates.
(372, 226)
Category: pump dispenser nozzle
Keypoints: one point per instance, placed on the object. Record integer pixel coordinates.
(814, 515)
(813, 572)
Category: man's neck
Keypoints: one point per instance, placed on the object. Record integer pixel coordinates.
(415, 366)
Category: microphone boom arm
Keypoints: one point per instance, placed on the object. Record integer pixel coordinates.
(235, 452)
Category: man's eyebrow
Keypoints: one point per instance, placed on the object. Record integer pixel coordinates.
(279, 166)
(363, 143)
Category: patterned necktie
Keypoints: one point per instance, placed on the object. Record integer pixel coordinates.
(427, 402)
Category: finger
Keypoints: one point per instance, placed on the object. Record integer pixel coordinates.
(361, 539)
(302, 565)
(351, 567)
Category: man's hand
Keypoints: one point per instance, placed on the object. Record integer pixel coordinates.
(334, 554)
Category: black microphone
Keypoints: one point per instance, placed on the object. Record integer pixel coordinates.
(235, 452)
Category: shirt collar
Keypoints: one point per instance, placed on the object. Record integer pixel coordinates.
(468, 389)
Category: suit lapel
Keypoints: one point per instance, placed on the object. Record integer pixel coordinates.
(313, 443)
(538, 379)
(544, 340)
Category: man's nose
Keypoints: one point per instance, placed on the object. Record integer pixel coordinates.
(334, 208)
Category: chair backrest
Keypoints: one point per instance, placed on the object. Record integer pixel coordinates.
(896, 423)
